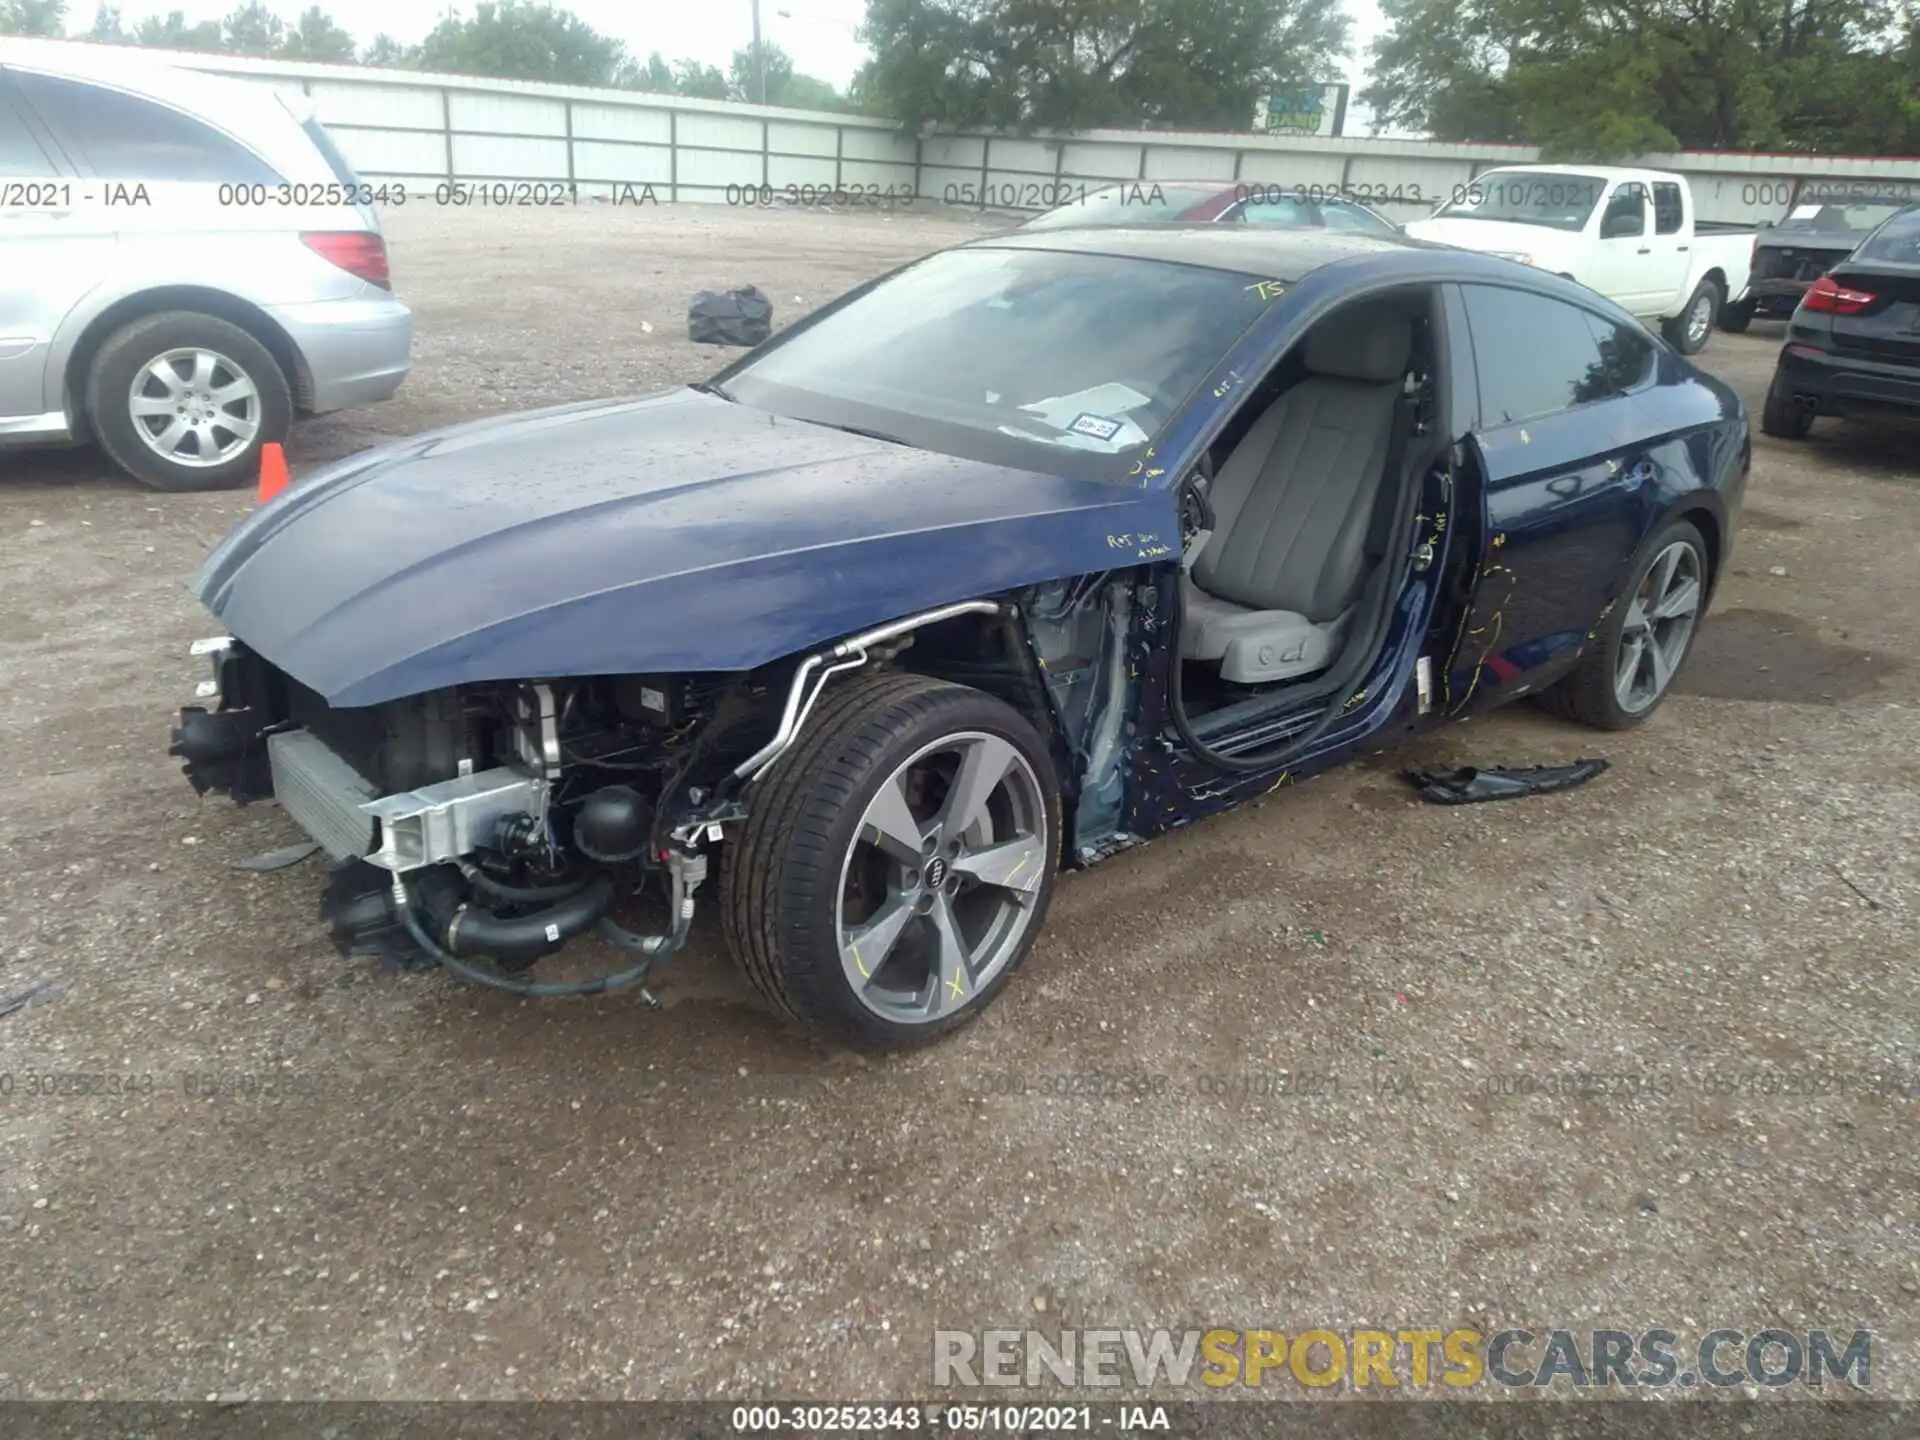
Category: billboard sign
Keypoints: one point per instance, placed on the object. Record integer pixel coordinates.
(1302, 110)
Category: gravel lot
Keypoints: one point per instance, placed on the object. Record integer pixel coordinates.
(449, 1195)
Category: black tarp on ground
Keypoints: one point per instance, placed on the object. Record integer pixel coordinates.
(730, 317)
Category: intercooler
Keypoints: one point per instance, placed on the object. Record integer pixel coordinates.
(350, 819)
(323, 793)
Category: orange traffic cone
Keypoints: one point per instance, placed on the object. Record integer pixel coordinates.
(273, 472)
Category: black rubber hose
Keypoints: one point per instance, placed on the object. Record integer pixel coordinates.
(1238, 764)
(544, 990)
(522, 939)
(519, 894)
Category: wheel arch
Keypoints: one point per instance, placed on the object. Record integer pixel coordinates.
(199, 299)
(990, 651)
(1710, 522)
(1707, 513)
(994, 653)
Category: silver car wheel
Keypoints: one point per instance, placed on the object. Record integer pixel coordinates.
(1700, 318)
(938, 885)
(1658, 628)
(194, 407)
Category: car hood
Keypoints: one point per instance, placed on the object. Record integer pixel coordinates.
(674, 532)
(1497, 237)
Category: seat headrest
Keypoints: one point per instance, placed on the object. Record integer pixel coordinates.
(1372, 342)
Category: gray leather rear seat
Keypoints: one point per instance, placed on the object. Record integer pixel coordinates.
(1272, 592)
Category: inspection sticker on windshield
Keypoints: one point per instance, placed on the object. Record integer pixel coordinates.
(1098, 426)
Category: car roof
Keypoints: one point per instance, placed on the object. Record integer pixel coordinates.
(1276, 254)
(254, 114)
(1290, 256)
(1220, 187)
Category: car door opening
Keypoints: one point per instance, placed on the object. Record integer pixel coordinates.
(1313, 485)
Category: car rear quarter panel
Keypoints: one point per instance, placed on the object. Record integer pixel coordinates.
(1571, 500)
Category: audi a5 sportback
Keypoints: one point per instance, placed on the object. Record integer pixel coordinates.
(187, 263)
(1034, 549)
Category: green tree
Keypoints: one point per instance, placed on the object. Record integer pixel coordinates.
(742, 78)
(1604, 79)
(654, 77)
(314, 36)
(172, 32)
(388, 53)
(698, 81)
(785, 86)
(107, 28)
(519, 40)
(1074, 64)
(808, 92)
(44, 18)
(253, 29)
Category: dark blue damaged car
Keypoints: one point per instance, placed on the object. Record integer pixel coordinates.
(1004, 562)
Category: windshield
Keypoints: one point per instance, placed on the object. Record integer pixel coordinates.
(1338, 215)
(1839, 219)
(1036, 359)
(1143, 202)
(1527, 197)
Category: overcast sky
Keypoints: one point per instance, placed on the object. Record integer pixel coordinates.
(818, 34)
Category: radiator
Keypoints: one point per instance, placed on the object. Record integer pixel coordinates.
(323, 793)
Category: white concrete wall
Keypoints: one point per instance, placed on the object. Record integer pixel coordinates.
(422, 129)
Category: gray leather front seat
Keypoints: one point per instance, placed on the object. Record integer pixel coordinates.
(1273, 590)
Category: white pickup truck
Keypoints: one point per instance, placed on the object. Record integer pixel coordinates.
(1632, 235)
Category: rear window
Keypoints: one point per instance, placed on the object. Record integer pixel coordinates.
(1896, 242)
(1142, 202)
(1839, 218)
(336, 162)
(118, 136)
(21, 157)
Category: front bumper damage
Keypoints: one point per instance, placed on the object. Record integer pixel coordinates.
(405, 861)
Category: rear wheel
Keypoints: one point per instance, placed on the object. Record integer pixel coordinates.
(1782, 416)
(1644, 640)
(184, 401)
(1689, 331)
(897, 862)
(1735, 318)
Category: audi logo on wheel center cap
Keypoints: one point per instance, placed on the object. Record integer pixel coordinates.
(936, 873)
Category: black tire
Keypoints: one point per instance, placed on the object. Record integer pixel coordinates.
(1588, 694)
(1676, 329)
(1783, 417)
(136, 345)
(1735, 318)
(780, 881)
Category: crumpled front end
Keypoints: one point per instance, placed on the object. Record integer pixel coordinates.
(490, 822)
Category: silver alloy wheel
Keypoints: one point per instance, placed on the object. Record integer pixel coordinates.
(1659, 627)
(1700, 318)
(194, 407)
(937, 889)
